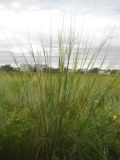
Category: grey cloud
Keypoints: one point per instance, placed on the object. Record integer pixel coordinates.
(92, 6)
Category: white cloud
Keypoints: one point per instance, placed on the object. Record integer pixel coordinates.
(20, 17)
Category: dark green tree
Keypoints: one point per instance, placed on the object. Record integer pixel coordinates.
(7, 68)
(94, 70)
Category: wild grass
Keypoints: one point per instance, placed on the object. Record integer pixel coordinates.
(63, 115)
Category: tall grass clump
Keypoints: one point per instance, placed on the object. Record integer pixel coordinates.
(66, 115)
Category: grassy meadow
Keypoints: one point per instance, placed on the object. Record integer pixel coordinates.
(60, 116)
(54, 118)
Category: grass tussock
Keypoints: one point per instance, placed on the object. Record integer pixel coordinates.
(63, 115)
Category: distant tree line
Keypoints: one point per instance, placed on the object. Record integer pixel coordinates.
(9, 68)
(97, 70)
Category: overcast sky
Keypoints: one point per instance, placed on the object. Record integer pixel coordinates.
(18, 18)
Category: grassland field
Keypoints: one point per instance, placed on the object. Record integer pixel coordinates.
(59, 116)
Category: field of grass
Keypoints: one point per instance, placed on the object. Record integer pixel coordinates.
(59, 116)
